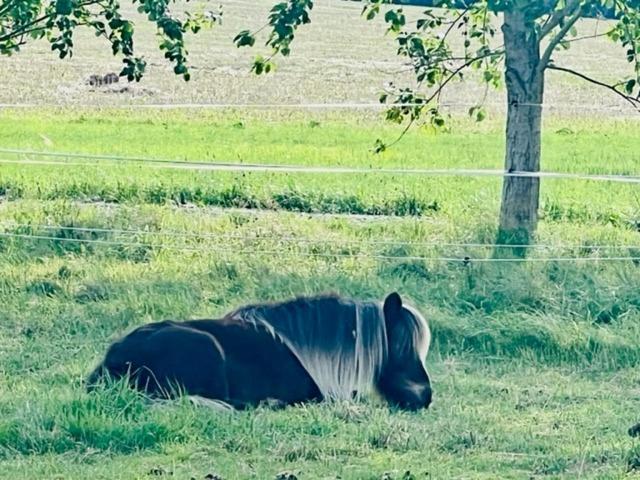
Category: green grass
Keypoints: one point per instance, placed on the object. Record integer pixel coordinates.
(570, 144)
(610, 147)
(534, 365)
(490, 419)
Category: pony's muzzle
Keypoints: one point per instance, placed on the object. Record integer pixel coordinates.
(428, 397)
(420, 399)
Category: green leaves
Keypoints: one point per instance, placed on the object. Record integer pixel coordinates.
(396, 20)
(478, 113)
(426, 46)
(429, 21)
(379, 146)
(133, 69)
(626, 32)
(630, 86)
(372, 8)
(64, 7)
(262, 65)
(57, 20)
(245, 39)
(284, 20)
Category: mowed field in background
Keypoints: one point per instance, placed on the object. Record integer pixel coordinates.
(534, 364)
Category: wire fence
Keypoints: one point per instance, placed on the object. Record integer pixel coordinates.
(293, 241)
(92, 160)
(466, 260)
(265, 236)
(292, 168)
(620, 107)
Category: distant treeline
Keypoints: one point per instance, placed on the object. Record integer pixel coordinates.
(599, 11)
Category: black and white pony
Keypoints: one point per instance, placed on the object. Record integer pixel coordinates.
(306, 349)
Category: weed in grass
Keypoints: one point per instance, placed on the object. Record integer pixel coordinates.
(46, 288)
(92, 293)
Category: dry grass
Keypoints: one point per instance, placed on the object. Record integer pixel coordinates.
(338, 58)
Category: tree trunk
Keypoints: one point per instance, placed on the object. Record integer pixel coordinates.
(525, 87)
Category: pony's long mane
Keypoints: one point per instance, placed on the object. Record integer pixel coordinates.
(341, 343)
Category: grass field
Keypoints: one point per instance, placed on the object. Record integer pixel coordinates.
(534, 365)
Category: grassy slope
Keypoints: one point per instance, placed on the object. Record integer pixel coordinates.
(563, 335)
(609, 147)
(314, 139)
(534, 366)
(526, 383)
(508, 421)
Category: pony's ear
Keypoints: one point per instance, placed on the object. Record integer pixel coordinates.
(392, 305)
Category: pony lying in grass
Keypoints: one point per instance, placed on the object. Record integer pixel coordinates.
(306, 349)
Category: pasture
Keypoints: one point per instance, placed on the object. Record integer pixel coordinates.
(534, 364)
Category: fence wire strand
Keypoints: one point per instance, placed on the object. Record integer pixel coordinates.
(464, 260)
(313, 106)
(284, 168)
(294, 239)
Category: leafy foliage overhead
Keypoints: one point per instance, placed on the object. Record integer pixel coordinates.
(426, 44)
(57, 20)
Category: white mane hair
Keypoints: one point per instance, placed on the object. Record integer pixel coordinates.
(341, 343)
(421, 334)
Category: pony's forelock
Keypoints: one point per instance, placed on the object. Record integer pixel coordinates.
(422, 334)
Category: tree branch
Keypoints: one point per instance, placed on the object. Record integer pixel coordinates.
(6, 6)
(553, 43)
(587, 37)
(29, 27)
(24, 33)
(556, 18)
(23, 28)
(634, 102)
(402, 134)
(451, 27)
(438, 91)
(455, 72)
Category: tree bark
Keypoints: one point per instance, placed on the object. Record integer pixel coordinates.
(525, 90)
